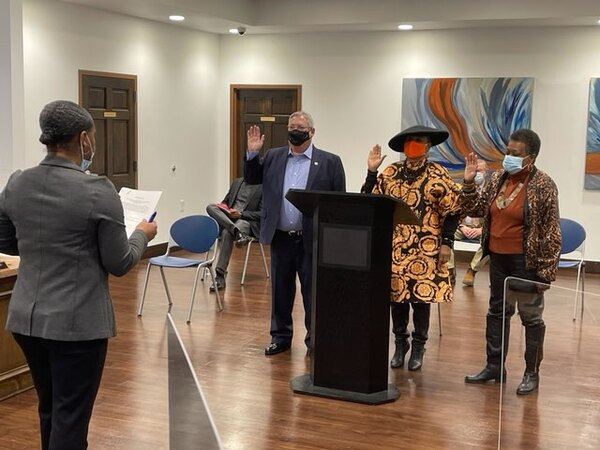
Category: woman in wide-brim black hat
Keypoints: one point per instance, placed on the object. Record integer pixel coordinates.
(420, 253)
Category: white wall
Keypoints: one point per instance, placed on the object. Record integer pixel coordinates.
(352, 86)
(11, 88)
(177, 72)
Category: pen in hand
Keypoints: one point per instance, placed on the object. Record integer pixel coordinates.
(151, 219)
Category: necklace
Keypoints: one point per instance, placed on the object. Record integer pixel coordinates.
(406, 174)
(502, 202)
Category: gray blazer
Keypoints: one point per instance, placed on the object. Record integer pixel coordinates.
(68, 228)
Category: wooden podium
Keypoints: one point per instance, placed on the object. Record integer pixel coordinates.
(14, 372)
(352, 255)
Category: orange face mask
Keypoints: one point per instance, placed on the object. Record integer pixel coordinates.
(414, 149)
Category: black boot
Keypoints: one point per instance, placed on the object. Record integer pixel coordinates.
(493, 336)
(400, 314)
(529, 383)
(416, 356)
(534, 353)
(489, 372)
(402, 347)
(421, 313)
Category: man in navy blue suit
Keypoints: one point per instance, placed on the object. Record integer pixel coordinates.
(297, 166)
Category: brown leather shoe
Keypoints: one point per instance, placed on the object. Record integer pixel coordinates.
(469, 278)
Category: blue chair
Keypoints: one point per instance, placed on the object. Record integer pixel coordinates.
(572, 256)
(195, 234)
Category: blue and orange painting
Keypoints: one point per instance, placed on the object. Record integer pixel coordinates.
(479, 113)
(592, 148)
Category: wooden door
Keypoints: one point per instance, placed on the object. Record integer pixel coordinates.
(111, 100)
(269, 107)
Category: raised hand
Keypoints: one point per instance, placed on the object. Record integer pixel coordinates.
(470, 167)
(255, 139)
(375, 158)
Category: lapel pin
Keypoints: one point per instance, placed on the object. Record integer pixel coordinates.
(316, 163)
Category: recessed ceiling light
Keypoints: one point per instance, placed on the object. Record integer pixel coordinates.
(598, 21)
(176, 18)
(405, 27)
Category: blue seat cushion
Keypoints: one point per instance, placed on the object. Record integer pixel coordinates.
(563, 264)
(173, 261)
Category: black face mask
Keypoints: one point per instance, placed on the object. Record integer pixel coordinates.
(297, 137)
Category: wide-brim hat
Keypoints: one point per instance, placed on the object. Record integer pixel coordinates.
(435, 136)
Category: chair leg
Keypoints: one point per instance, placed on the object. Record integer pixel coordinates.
(213, 249)
(440, 316)
(577, 294)
(192, 300)
(144, 291)
(246, 262)
(162, 274)
(213, 274)
(262, 251)
(198, 270)
(582, 287)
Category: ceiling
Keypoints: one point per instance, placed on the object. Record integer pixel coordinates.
(295, 16)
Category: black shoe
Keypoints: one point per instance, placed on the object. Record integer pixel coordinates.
(530, 383)
(242, 239)
(219, 282)
(452, 276)
(399, 354)
(273, 348)
(489, 372)
(416, 358)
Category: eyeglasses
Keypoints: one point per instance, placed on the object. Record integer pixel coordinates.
(292, 128)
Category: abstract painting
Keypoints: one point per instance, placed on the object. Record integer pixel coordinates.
(592, 156)
(479, 113)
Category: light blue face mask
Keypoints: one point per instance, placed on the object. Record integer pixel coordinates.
(479, 178)
(86, 163)
(512, 164)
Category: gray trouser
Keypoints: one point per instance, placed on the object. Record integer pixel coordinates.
(228, 228)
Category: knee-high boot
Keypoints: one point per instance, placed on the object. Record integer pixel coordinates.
(421, 313)
(534, 353)
(493, 335)
(400, 314)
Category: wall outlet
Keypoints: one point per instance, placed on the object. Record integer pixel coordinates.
(181, 205)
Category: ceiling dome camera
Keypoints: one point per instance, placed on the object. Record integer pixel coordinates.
(241, 31)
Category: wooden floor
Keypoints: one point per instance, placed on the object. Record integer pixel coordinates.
(254, 408)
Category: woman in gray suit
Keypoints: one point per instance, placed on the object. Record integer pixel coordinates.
(68, 228)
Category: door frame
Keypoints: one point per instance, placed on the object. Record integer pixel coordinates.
(234, 104)
(124, 76)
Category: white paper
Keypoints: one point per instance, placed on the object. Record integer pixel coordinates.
(137, 205)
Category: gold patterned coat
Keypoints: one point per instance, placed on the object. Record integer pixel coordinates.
(432, 195)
